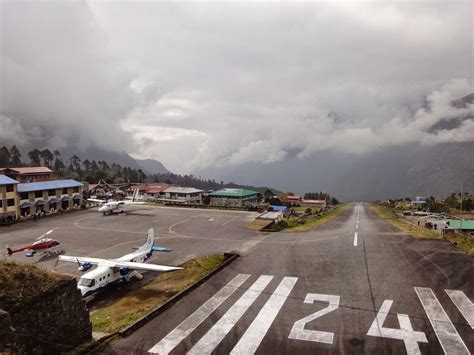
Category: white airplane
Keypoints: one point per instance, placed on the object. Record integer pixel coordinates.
(112, 206)
(111, 271)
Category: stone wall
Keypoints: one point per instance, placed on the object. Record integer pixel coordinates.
(51, 322)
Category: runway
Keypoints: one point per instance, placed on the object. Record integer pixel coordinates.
(355, 285)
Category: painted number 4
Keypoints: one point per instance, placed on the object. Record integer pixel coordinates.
(410, 337)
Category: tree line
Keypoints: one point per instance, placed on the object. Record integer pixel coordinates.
(72, 168)
(93, 171)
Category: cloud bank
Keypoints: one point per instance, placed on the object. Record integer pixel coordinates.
(196, 85)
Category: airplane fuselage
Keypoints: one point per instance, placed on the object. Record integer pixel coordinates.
(103, 276)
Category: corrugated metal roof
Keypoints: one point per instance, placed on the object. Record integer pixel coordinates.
(316, 202)
(47, 185)
(5, 180)
(182, 190)
(33, 170)
(233, 192)
(279, 208)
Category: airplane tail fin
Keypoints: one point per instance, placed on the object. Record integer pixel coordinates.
(150, 241)
(9, 251)
(135, 195)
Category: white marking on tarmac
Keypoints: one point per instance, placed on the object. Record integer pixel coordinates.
(355, 239)
(444, 329)
(406, 333)
(211, 219)
(232, 219)
(252, 338)
(186, 327)
(465, 306)
(215, 335)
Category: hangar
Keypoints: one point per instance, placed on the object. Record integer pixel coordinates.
(234, 197)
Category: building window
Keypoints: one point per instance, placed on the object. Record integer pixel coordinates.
(51, 192)
(38, 194)
(1, 203)
(76, 189)
(24, 196)
(11, 202)
(65, 191)
(10, 188)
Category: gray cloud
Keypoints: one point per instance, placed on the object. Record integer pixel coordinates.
(201, 84)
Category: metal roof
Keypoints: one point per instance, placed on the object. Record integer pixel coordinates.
(279, 208)
(233, 192)
(32, 170)
(47, 185)
(182, 190)
(5, 180)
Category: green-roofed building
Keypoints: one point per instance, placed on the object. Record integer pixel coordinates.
(463, 225)
(233, 197)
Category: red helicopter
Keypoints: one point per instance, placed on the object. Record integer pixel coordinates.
(42, 245)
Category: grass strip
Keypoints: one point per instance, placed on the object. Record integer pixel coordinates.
(294, 224)
(139, 302)
(390, 216)
(258, 224)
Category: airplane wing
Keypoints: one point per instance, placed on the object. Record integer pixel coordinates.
(96, 200)
(117, 263)
(131, 202)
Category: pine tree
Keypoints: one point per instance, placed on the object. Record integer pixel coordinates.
(15, 157)
(35, 157)
(4, 157)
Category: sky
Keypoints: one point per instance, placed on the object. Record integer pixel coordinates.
(223, 84)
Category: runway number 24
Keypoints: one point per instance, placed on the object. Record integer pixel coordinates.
(410, 337)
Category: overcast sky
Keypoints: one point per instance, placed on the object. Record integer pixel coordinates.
(197, 84)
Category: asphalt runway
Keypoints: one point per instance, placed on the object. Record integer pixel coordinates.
(355, 285)
(189, 232)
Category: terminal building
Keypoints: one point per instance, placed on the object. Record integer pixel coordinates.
(234, 197)
(48, 196)
(8, 198)
(19, 199)
(183, 195)
(28, 173)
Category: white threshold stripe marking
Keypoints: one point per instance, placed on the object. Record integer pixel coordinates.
(186, 327)
(215, 335)
(444, 329)
(355, 239)
(254, 334)
(465, 306)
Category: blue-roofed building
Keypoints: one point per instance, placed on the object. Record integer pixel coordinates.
(49, 196)
(8, 198)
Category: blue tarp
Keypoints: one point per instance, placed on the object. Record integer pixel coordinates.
(66, 198)
(77, 197)
(54, 200)
(26, 204)
(40, 202)
(279, 208)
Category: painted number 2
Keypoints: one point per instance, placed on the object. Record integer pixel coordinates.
(299, 333)
(410, 337)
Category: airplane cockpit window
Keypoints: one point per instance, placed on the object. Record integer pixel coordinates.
(86, 282)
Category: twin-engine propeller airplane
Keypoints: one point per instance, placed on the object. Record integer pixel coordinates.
(110, 271)
(42, 245)
(112, 206)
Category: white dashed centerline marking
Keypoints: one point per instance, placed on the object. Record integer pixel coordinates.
(355, 239)
(465, 306)
(215, 335)
(444, 329)
(178, 334)
(255, 333)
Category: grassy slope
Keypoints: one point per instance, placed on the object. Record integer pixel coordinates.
(141, 301)
(463, 243)
(295, 226)
(22, 282)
